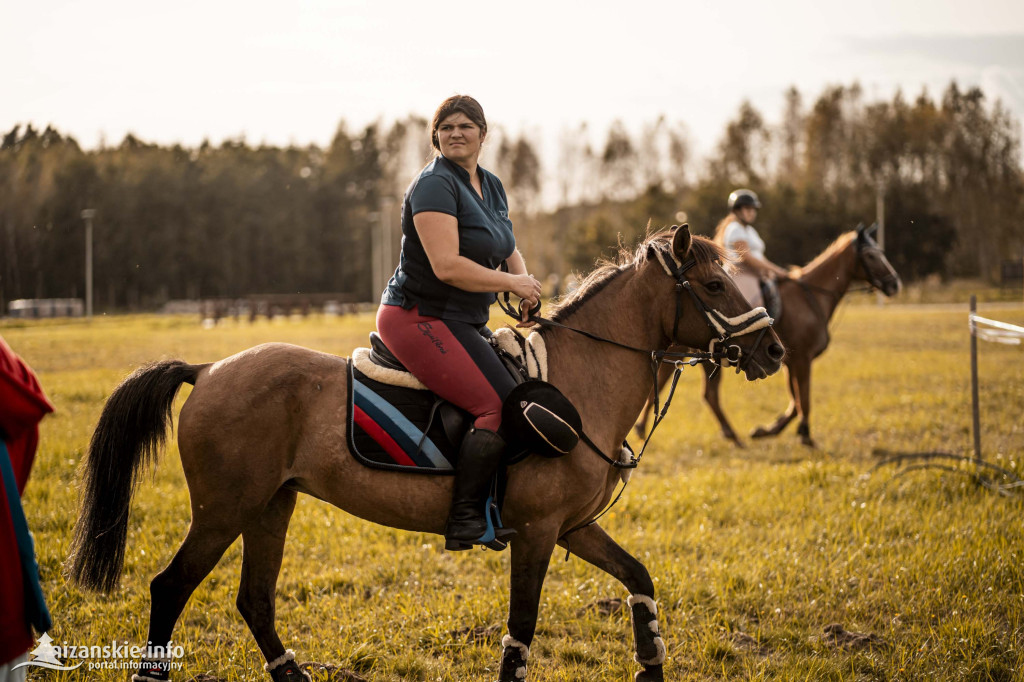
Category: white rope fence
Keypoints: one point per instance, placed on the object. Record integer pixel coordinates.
(995, 331)
(986, 330)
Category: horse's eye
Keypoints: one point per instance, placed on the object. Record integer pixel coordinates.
(715, 286)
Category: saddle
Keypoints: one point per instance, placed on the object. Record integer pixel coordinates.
(396, 423)
(772, 298)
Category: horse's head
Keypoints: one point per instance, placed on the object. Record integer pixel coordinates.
(707, 310)
(872, 265)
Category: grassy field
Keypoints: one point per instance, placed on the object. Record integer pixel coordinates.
(754, 551)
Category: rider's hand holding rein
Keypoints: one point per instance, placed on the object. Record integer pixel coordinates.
(439, 234)
(527, 287)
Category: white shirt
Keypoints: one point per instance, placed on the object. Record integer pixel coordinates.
(738, 232)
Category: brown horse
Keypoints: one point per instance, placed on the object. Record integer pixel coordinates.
(810, 295)
(267, 423)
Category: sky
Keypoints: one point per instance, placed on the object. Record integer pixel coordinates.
(288, 72)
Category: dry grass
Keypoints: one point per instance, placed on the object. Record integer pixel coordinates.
(755, 552)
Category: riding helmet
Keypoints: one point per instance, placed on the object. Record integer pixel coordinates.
(537, 416)
(743, 197)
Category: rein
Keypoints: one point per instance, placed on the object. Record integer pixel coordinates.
(720, 352)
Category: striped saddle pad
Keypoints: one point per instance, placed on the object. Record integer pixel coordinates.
(398, 428)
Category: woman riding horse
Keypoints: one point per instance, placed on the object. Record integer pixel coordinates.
(268, 423)
(736, 232)
(455, 234)
(808, 296)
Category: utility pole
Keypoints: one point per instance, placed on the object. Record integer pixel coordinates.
(375, 248)
(880, 219)
(87, 215)
(880, 214)
(387, 252)
(384, 256)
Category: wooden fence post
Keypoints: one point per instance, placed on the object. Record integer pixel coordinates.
(974, 381)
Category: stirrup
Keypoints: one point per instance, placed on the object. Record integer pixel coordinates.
(494, 537)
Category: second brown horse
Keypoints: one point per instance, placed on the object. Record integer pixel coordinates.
(810, 296)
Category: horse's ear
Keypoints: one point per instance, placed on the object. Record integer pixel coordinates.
(681, 241)
(871, 230)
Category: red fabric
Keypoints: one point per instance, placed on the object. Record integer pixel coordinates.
(381, 436)
(22, 405)
(450, 358)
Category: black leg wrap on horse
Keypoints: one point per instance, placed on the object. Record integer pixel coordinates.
(513, 660)
(153, 670)
(479, 458)
(650, 649)
(650, 673)
(285, 669)
(804, 430)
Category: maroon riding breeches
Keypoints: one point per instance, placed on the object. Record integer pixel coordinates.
(451, 358)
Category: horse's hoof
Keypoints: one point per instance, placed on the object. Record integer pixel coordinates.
(513, 660)
(760, 432)
(650, 674)
(290, 672)
(809, 442)
(285, 669)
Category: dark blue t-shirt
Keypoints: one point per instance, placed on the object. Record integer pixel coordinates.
(485, 237)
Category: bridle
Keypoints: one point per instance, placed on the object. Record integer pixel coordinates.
(865, 244)
(720, 351)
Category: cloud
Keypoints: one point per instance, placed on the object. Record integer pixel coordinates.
(978, 51)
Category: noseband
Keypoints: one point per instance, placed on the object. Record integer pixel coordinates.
(720, 351)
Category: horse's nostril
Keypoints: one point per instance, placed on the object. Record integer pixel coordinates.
(776, 352)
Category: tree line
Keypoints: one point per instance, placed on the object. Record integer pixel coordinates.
(949, 172)
(234, 219)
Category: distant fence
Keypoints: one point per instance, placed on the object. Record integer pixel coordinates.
(275, 305)
(37, 308)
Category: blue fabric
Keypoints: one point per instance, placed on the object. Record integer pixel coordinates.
(35, 603)
(403, 431)
(485, 237)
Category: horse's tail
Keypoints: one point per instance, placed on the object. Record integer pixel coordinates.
(128, 437)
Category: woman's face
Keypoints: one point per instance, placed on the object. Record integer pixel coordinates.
(459, 138)
(747, 214)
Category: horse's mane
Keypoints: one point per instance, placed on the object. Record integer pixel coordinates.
(841, 242)
(702, 250)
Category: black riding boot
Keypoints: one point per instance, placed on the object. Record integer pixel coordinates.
(468, 521)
